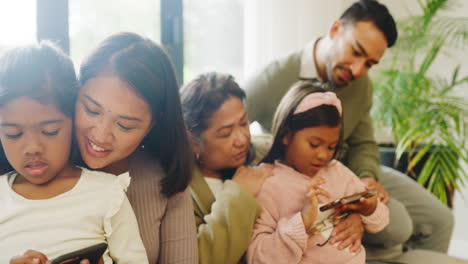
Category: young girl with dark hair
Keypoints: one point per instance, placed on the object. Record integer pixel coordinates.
(291, 229)
(49, 207)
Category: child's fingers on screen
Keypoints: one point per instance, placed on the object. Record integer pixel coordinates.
(320, 191)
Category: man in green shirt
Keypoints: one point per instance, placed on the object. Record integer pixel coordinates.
(355, 43)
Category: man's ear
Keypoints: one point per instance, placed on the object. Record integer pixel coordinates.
(153, 123)
(335, 28)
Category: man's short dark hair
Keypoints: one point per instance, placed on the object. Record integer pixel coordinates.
(371, 10)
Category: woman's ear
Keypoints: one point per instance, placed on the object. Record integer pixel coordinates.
(151, 126)
(196, 143)
(287, 138)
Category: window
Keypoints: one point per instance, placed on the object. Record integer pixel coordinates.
(91, 21)
(213, 37)
(17, 23)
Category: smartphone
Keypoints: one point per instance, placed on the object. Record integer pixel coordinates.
(92, 253)
(349, 199)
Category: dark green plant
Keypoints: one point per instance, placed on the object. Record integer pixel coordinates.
(420, 107)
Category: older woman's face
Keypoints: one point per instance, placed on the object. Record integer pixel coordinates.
(226, 141)
(111, 121)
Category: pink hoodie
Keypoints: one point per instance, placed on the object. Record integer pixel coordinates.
(279, 234)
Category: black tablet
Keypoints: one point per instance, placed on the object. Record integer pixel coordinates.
(92, 253)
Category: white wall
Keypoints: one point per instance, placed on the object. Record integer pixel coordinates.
(276, 27)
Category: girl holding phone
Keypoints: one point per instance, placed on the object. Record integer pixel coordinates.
(49, 204)
(291, 228)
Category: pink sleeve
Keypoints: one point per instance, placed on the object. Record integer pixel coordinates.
(379, 219)
(282, 241)
(277, 237)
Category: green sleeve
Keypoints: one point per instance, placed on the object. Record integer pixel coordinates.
(363, 153)
(224, 234)
(266, 87)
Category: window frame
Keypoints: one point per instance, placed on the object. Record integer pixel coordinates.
(52, 23)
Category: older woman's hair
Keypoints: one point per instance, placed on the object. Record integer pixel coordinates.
(285, 120)
(146, 67)
(203, 96)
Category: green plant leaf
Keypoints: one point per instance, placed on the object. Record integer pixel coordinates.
(425, 174)
(431, 55)
(416, 159)
(419, 107)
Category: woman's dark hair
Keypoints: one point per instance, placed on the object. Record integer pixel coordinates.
(202, 97)
(146, 67)
(41, 72)
(285, 120)
(371, 10)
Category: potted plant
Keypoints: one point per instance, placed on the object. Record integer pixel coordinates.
(427, 121)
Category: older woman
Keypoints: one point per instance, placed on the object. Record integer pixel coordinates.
(223, 189)
(128, 119)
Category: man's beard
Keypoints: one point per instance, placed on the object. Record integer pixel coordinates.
(332, 85)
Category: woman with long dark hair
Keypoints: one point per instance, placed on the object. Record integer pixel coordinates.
(128, 118)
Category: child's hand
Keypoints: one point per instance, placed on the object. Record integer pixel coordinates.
(310, 210)
(30, 257)
(365, 206)
(373, 184)
(251, 179)
(85, 261)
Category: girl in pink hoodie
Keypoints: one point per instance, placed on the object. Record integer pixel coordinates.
(291, 228)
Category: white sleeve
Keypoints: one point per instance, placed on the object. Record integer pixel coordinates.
(122, 233)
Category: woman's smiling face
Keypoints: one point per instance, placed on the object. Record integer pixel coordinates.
(111, 121)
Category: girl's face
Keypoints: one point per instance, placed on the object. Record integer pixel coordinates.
(36, 138)
(310, 149)
(227, 139)
(111, 121)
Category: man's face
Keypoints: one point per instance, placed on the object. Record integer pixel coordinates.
(355, 49)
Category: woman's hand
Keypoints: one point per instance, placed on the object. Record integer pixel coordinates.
(251, 179)
(30, 257)
(310, 210)
(348, 232)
